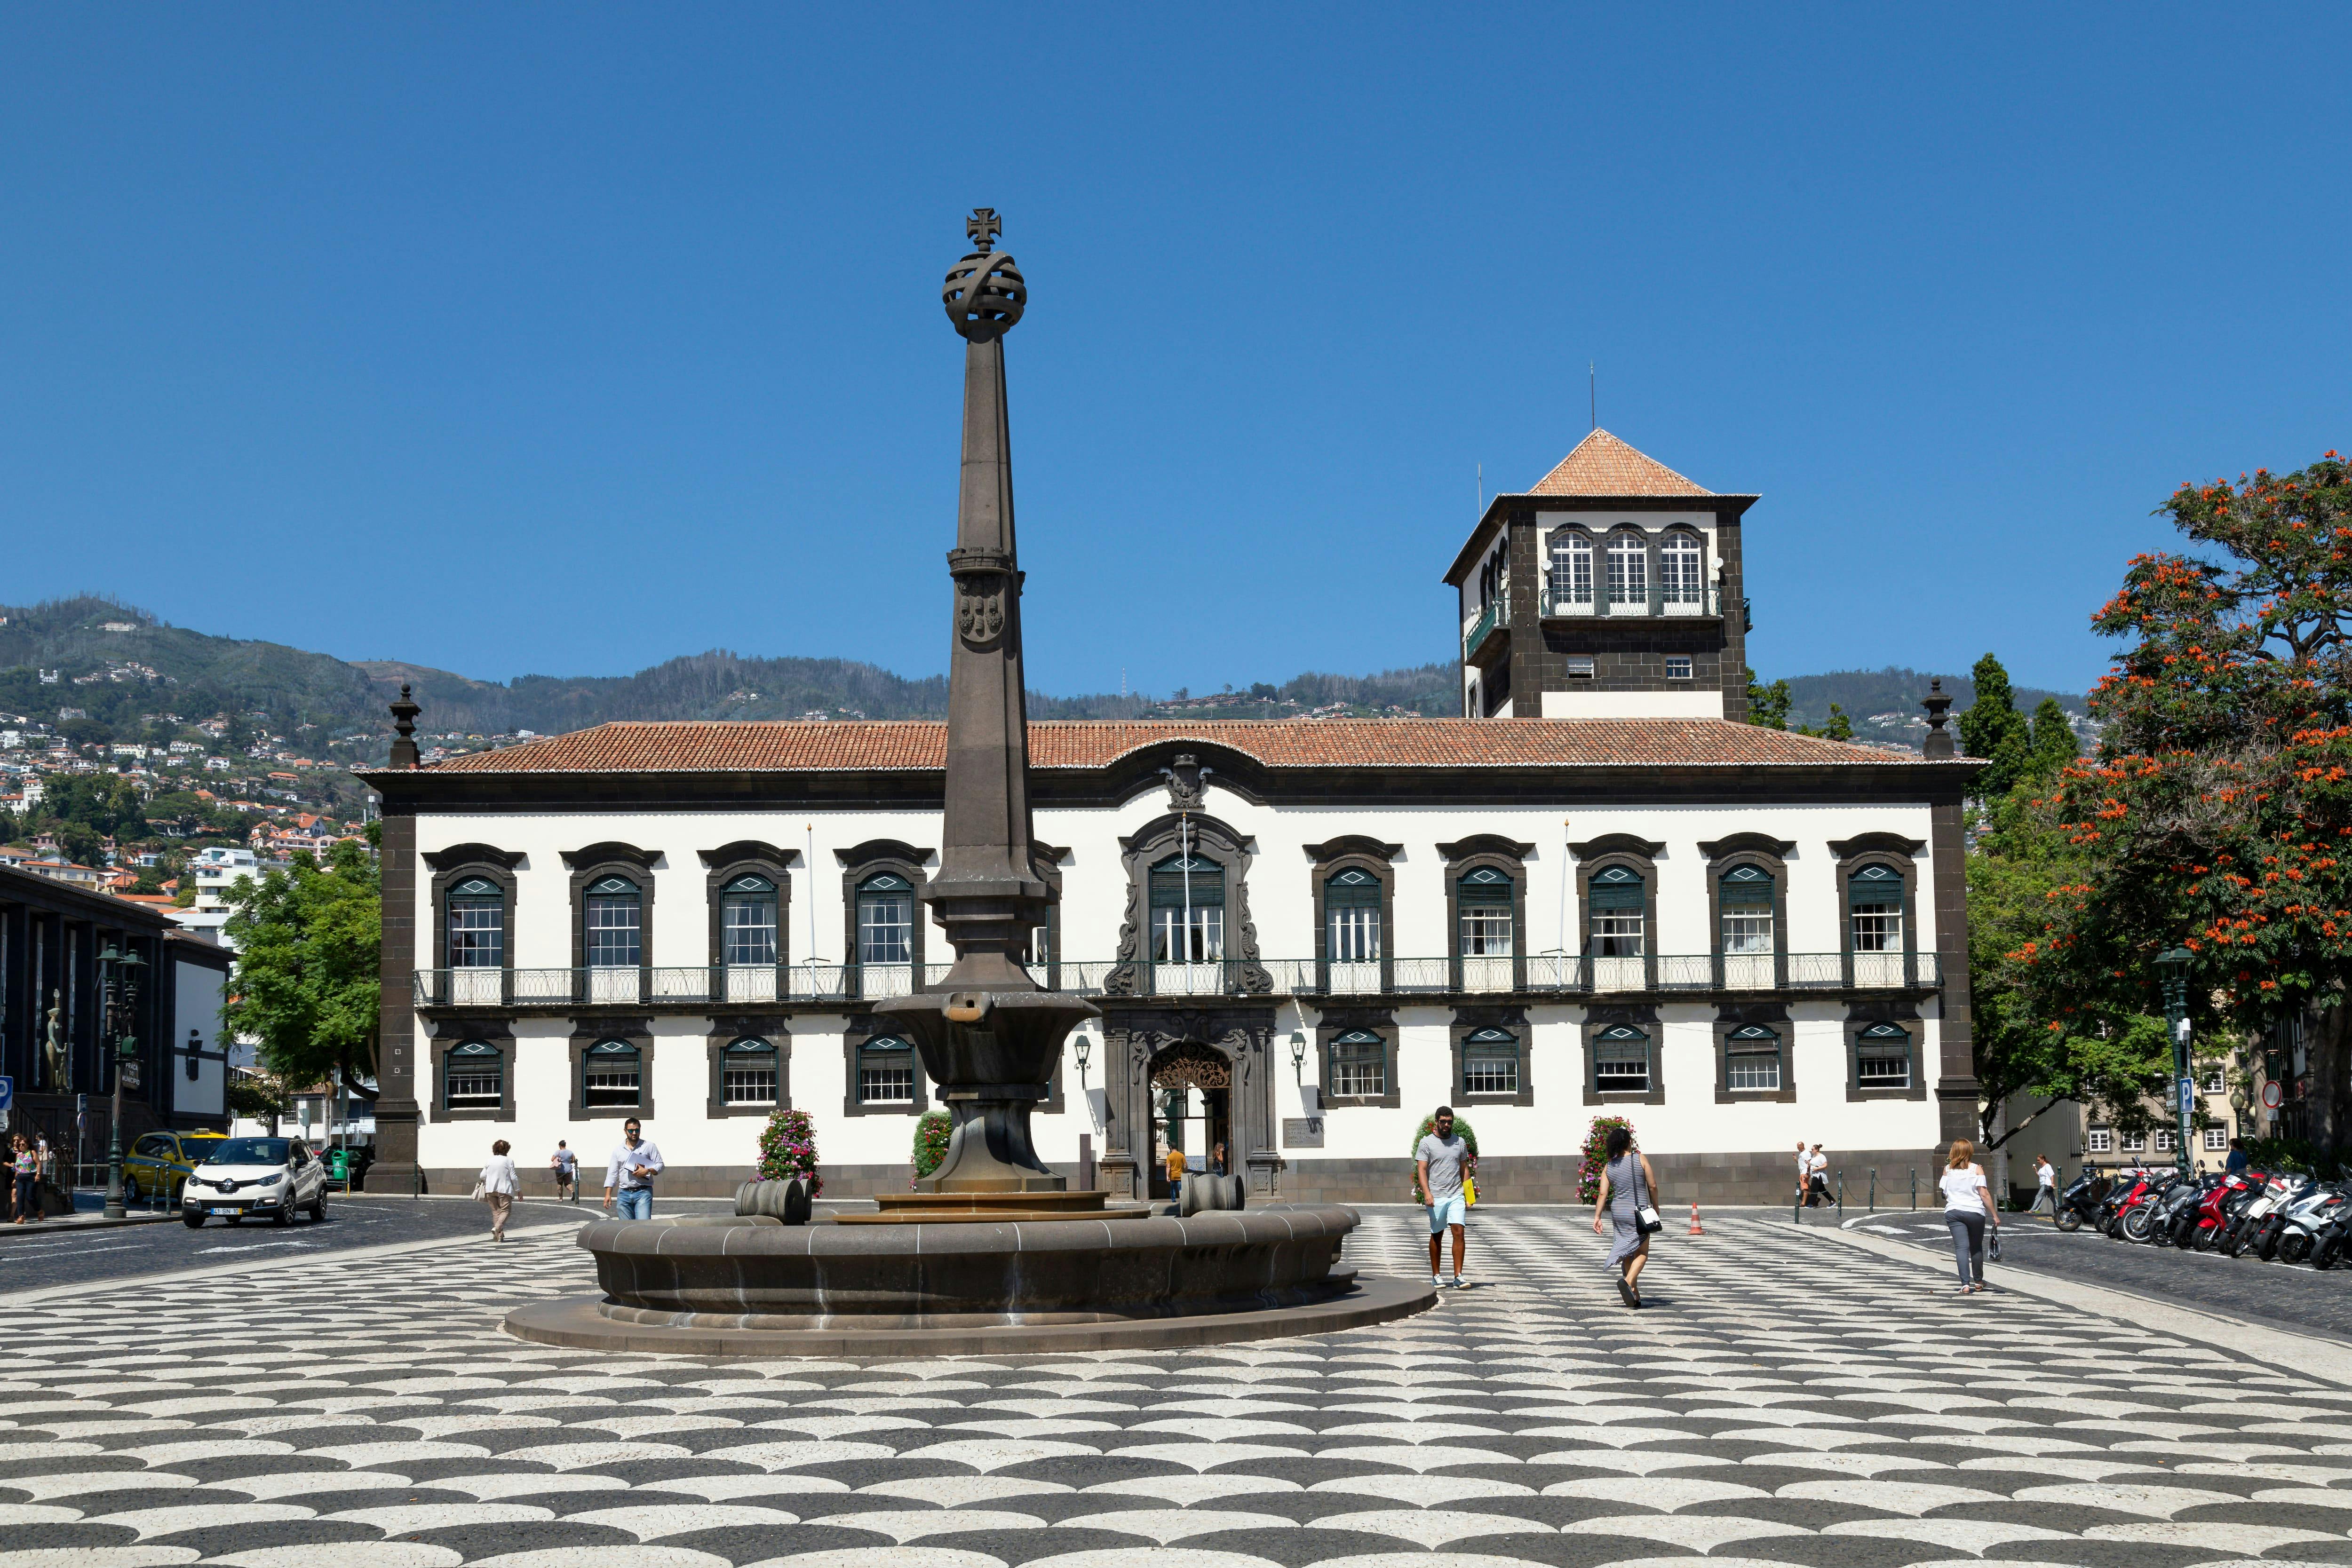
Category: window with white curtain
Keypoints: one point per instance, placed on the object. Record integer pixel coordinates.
(1351, 910)
(1682, 574)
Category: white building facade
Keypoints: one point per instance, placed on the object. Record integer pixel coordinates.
(1303, 937)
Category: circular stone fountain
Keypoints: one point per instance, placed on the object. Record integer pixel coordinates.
(991, 1254)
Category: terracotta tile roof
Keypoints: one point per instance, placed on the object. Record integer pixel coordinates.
(854, 745)
(1604, 466)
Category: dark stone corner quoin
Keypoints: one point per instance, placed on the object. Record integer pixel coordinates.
(991, 1250)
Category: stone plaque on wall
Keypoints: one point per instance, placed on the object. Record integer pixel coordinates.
(1302, 1132)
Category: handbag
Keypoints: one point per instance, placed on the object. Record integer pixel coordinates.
(1645, 1216)
(1469, 1192)
(478, 1191)
(1992, 1245)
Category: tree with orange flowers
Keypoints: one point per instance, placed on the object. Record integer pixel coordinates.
(2217, 814)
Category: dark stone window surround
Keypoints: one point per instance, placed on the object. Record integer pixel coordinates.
(1897, 853)
(1509, 857)
(1771, 855)
(728, 861)
(776, 1031)
(1212, 838)
(612, 858)
(1860, 1015)
(1773, 1014)
(457, 864)
(1639, 855)
(871, 859)
(1047, 861)
(446, 1036)
(1653, 542)
(1642, 1015)
(637, 1031)
(1469, 1021)
(1367, 855)
(861, 1028)
(1333, 1022)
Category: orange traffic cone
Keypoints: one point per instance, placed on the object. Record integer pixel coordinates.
(1695, 1230)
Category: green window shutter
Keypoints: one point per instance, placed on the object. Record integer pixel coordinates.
(1747, 888)
(1616, 887)
(1874, 883)
(1177, 880)
(1483, 887)
(1352, 889)
(613, 887)
(477, 887)
(886, 883)
(750, 885)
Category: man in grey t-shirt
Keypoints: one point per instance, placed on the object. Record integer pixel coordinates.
(1441, 1160)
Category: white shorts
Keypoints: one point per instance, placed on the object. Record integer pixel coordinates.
(1447, 1211)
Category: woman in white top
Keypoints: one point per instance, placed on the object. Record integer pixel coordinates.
(500, 1185)
(1968, 1210)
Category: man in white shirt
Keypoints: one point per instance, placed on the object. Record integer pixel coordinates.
(1804, 1170)
(629, 1174)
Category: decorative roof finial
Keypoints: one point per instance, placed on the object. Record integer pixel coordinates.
(985, 293)
(403, 727)
(983, 228)
(1939, 741)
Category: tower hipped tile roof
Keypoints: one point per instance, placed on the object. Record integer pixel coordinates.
(852, 746)
(1604, 466)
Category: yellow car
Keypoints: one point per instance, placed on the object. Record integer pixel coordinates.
(158, 1163)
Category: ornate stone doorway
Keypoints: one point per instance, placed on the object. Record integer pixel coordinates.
(1212, 1062)
(1192, 1088)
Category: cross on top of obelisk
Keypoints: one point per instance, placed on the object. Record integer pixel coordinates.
(983, 227)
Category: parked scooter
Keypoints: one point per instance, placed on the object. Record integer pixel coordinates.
(2081, 1203)
(2148, 1210)
(2291, 1231)
(2246, 1225)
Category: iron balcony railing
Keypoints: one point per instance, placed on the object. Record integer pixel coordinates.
(1553, 605)
(1497, 613)
(1558, 974)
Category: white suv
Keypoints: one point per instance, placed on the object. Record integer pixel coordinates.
(271, 1176)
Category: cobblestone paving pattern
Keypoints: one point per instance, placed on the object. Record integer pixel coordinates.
(1776, 1404)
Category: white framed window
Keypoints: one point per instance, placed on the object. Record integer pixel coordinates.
(478, 925)
(1187, 910)
(1752, 1059)
(1629, 574)
(1352, 913)
(1874, 897)
(2135, 1142)
(886, 920)
(1747, 901)
(2165, 1142)
(1616, 903)
(1621, 1062)
(1678, 667)
(2099, 1140)
(614, 933)
(475, 1077)
(2217, 1139)
(1579, 668)
(746, 1073)
(1882, 1057)
(1570, 579)
(1490, 1062)
(747, 921)
(2212, 1079)
(1360, 1064)
(1681, 574)
(1484, 897)
(611, 1073)
(886, 1071)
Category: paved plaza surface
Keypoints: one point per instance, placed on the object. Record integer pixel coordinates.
(1784, 1400)
(2289, 1296)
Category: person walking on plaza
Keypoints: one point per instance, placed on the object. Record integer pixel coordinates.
(1628, 1186)
(565, 1163)
(500, 1184)
(25, 1166)
(1804, 1171)
(1817, 1179)
(629, 1173)
(1441, 1160)
(2046, 1190)
(1968, 1210)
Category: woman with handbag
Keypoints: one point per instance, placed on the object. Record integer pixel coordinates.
(498, 1187)
(1629, 1191)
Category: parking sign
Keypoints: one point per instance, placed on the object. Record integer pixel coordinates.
(2188, 1098)
(7, 1093)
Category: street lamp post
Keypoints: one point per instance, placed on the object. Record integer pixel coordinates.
(2173, 967)
(121, 993)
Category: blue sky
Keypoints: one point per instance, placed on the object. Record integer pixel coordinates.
(561, 340)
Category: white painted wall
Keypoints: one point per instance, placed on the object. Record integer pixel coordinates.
(1282, 906)
(1695, 702)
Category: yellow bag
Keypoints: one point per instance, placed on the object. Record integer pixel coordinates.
(1469, 1192)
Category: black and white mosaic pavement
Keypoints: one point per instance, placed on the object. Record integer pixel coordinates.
(1779, 1402)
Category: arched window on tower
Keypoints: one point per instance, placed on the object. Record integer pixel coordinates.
(1682, 581)
(1629, 574)
(1567, 586)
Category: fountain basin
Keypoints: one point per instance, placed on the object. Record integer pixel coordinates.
(746, 1285)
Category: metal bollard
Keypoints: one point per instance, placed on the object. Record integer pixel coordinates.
(1841, 1195)
(1874, 1189)
(1914, 1188)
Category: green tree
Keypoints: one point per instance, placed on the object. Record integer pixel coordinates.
(308, 940)
(1768, 705)
(2055, 745)
(2216, 813)
(1836, 727)
(1992, 729)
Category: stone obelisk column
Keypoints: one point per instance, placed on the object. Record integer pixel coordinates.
(988, 1037)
